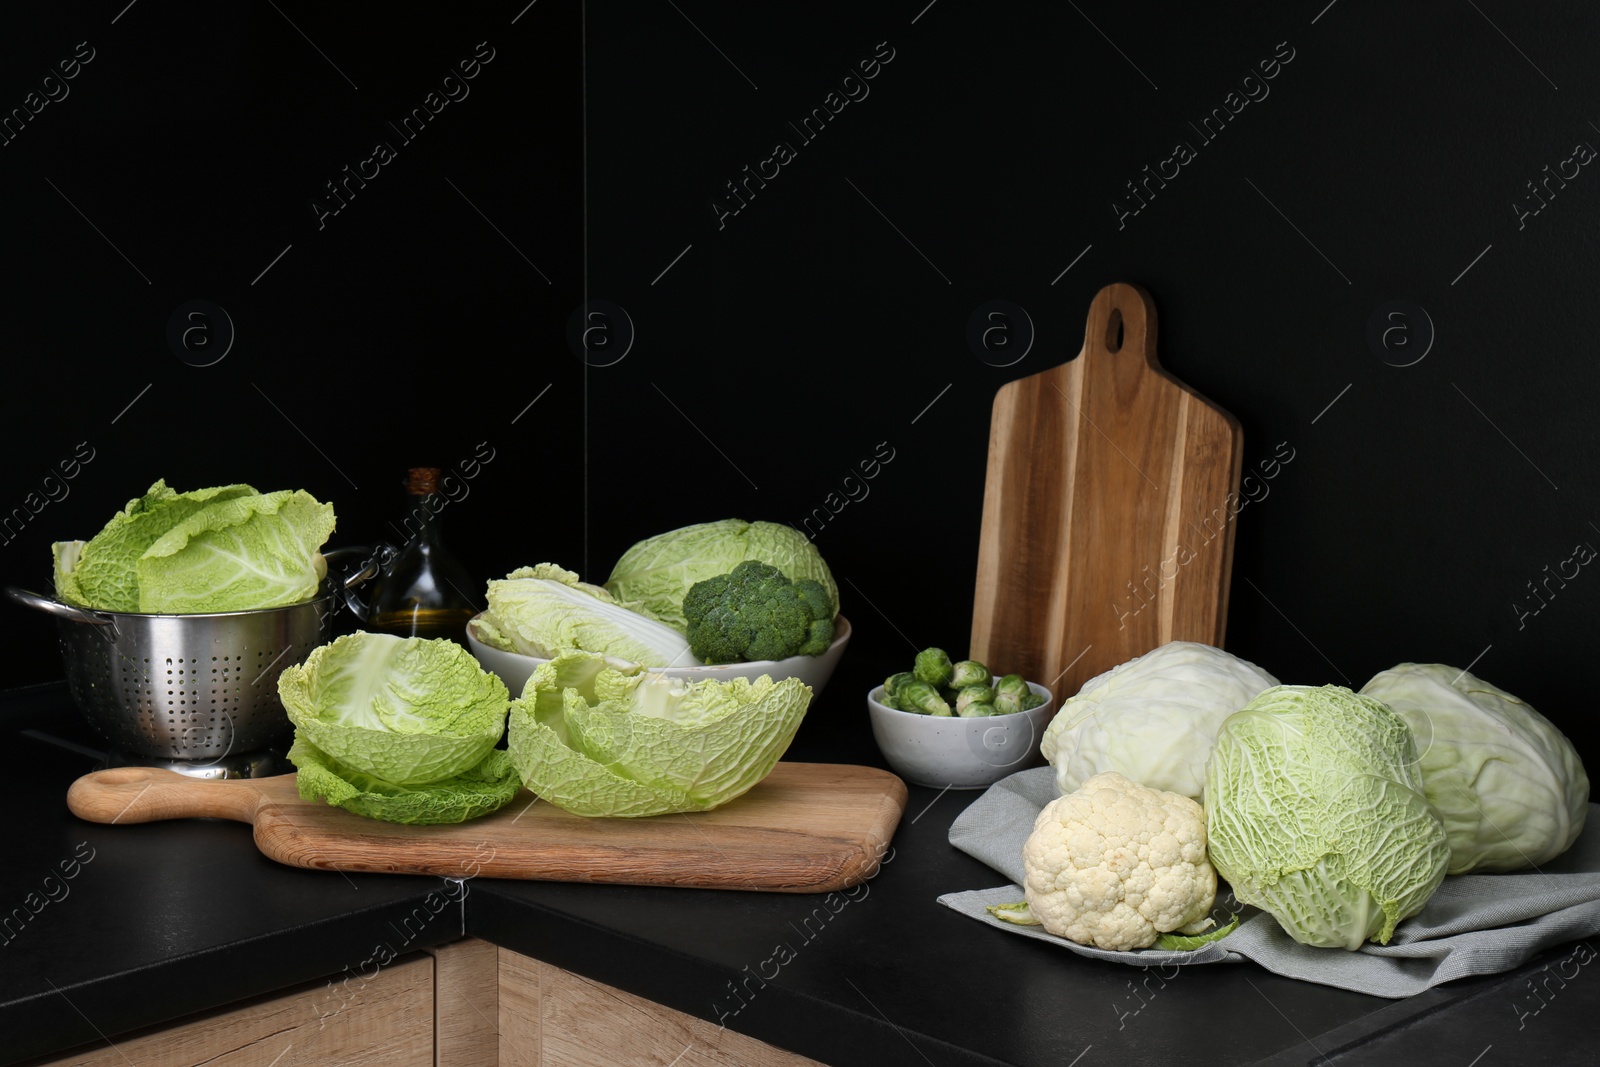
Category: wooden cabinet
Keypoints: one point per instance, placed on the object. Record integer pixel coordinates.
(387, 1019)
(466, 1004)
(553, 1018)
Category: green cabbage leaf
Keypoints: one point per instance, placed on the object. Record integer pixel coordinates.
(227, 548)
(67, 554)
(1181, 942)
(543, 611)
(406, 711)
(257, 551)
(486, 786)
(598, 741)
(104, 572)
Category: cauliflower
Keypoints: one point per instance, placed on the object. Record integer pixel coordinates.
(1116, 864)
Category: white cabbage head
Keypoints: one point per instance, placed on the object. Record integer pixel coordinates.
(1152, 719)
(659, 571)
(1507, 783)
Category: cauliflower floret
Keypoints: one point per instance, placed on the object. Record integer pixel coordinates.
(1116, 864)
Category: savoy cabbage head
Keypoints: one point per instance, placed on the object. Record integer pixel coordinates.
(595, 740)
(409, 711)
(1315, 812)
(486, 786)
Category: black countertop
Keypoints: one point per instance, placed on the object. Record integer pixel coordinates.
(162, 920)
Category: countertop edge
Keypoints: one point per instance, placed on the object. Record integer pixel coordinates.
(181, 986)
(824, 1030)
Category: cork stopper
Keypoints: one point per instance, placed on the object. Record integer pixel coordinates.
(422, 480)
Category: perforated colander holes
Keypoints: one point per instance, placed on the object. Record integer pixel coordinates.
(222, 678)
(177, 676)
(137, 680)
(222, 696)
(99, 674)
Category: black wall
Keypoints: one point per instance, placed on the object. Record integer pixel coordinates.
(410, 327)
(1385, 160)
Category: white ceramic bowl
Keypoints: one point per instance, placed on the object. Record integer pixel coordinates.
(949, 752)
(514, 668)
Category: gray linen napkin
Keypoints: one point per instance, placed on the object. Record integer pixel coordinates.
(1474, 923)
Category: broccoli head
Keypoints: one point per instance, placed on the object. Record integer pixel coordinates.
(754, 612)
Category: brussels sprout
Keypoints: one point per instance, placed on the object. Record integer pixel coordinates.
(1031, 701)
(1012, 684)
(892, 684)
(974, 701)
(970, 672)
(934, 667)
(922, 698)
(1006, 703)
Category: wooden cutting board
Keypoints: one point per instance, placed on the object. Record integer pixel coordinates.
(1107, 526)
(807, 828)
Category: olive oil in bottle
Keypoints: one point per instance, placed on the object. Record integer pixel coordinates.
(423, 590)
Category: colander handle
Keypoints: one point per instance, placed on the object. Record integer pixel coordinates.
(51, 606)
(376, 558)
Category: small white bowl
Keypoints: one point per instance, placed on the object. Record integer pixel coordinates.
(950, 752)
(513, 668)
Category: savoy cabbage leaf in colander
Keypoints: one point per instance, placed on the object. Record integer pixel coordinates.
(227, 548)
(104, 572)
(406, 710)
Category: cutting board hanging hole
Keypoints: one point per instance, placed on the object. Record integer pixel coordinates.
(1114, 331)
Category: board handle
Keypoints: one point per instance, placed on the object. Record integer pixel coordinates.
(1121, 326)
(150, 794)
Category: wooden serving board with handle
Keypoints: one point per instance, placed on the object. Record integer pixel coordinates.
(807, 828)
(1108, 508)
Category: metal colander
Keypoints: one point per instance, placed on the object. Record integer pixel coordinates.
(189, 687)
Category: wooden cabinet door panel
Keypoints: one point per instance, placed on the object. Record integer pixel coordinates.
(553, 1018)
(382, 1021)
